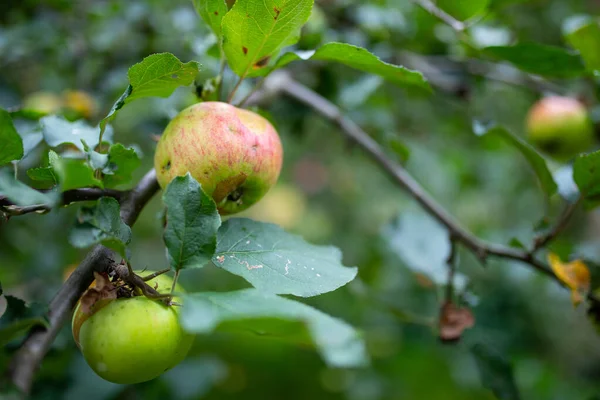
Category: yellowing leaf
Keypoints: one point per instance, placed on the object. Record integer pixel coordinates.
(574, 274)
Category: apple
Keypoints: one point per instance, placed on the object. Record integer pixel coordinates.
(79, 104)
(43, 102)
(134, 339)
(235, 154)
(560, 126)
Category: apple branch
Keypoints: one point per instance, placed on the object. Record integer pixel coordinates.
(68, 197)
(29, 356)
(282, 82)
(448, 19)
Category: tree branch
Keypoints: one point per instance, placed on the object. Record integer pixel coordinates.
(27, 359)
(281, 81)
(432, 9)
(68, 197)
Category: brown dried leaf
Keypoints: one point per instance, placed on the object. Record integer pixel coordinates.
(95, 298)
(453, 321)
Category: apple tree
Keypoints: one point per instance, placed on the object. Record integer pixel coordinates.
(300, 198)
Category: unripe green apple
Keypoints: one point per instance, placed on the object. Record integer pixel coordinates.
(560, 126)
(132, 340)
(235, 154)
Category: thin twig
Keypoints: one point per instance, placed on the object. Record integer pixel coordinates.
(451, 262)
(432, 9)
(68, 197)
(28, 358)
(155, 274)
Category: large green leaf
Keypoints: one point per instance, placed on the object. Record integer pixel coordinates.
(550, 61)
(212, 12)
(361, 59)
(192, 224)
(496, 372)
(22, 195)
(267, 314)
(57, 130)
(535, 160)
(101, 224)
(11, 144)
(584, 35)
(275, 261)
(254, 31)
(18, 318)
(159, 75)
(586, 174)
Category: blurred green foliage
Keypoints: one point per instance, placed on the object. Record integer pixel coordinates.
(329, 192)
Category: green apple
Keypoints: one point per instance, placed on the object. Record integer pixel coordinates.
(132, 340)
(235, 154)
(560, 126)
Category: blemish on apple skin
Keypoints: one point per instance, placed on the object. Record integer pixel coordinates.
(244, 50)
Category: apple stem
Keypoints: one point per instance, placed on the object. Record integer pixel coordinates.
(235, 88)
(175, 278)
(256, 87)
(221, 76)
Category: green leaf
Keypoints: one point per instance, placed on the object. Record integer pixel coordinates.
(254, 31)
(267, 314)
(72, 173)
(57, 131)
(496, 372)
(43, 175)
(18, 319)
(101, 224)
(275, 261)
(537, 162)
(122, 162)
(212, 12)
(22, 195)
(463, 9)
(360, 59)
(586, 174)
(11, 144)
(113, 111)
(549, 61)
(158, 75)
(192, 224)
(584, 35)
